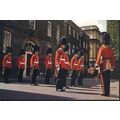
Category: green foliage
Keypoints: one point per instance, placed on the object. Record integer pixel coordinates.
(113, 30)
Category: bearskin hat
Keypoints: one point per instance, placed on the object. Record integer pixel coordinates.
(36, 48)
(22, 51)
(49, 50)
(8, 50)
(105, 38)
(62, 41)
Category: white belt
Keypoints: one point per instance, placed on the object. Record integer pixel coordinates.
(8, 62)
(22, 63)
(66, 62)
(82, 65)
(76, 64)
(49, 63)
(62, 59)
(36, 62)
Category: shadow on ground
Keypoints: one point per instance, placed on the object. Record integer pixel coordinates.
(9, 95)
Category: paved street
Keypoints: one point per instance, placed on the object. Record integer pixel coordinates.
(24, 91)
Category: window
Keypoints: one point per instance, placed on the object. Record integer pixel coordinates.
(77, 36)
(73, 33)
(7, 40)
(32, 24)
(58, 33)
(69, 48)
(73, 47)
(49, 28)
(69, 30)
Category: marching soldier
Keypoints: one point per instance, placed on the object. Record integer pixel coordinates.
(59, 64)
(21, 65)
(48, 65)
(74, 67)
(106, 56)
(34, 64)
(81, 69)
(67, 64)
(7, 64)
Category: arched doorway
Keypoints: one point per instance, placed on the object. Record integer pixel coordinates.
(29, 47)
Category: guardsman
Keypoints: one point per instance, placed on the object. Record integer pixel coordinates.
(74, 67)
(59, 64)
(105, 60)
(48, 65)
(7, 64)
(34, 64)
(67, 64)
(21, 65)
(81, 69)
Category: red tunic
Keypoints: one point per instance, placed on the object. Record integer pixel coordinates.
(67, 63)
(62, 60)
(74, 63)
(58, 54)
(21, 62)
(48, 62)
(34, 61)
(106, 56)
(81, 64)
(7, 63)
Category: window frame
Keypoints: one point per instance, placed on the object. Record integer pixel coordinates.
(49, 29)
(7, 42)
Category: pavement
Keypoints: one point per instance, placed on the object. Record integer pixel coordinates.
(91, 90)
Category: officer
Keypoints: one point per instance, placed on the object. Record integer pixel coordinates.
(81, 68)
(74, 67)
(59, 64)
(67, 65)
(21, 65)
(7, 64)
(48, 65)
(34, 64)
(106, 62)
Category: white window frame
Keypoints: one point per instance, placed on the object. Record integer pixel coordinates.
(49, 31)
(73, 47)
(69, 30)
(7, 40)
(32, 24)
(77, 36)
(69, 48)
(73, 33)
(58, 33)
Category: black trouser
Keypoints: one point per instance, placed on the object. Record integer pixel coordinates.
(34, 76)
(0, 72)
(106, 82)
(6, 74)
(61, 78)
(80, 78)
(20, 74)
(74, 76)
(47, 76)
(65, 79)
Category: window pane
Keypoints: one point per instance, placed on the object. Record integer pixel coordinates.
(49, 28)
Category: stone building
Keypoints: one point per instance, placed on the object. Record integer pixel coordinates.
(27, 33)
(94, 41)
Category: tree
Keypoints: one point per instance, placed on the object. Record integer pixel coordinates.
(113, 30)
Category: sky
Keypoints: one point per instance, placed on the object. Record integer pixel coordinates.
(100, 23)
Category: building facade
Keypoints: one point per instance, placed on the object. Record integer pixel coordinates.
(27, 33)
(94, 41)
